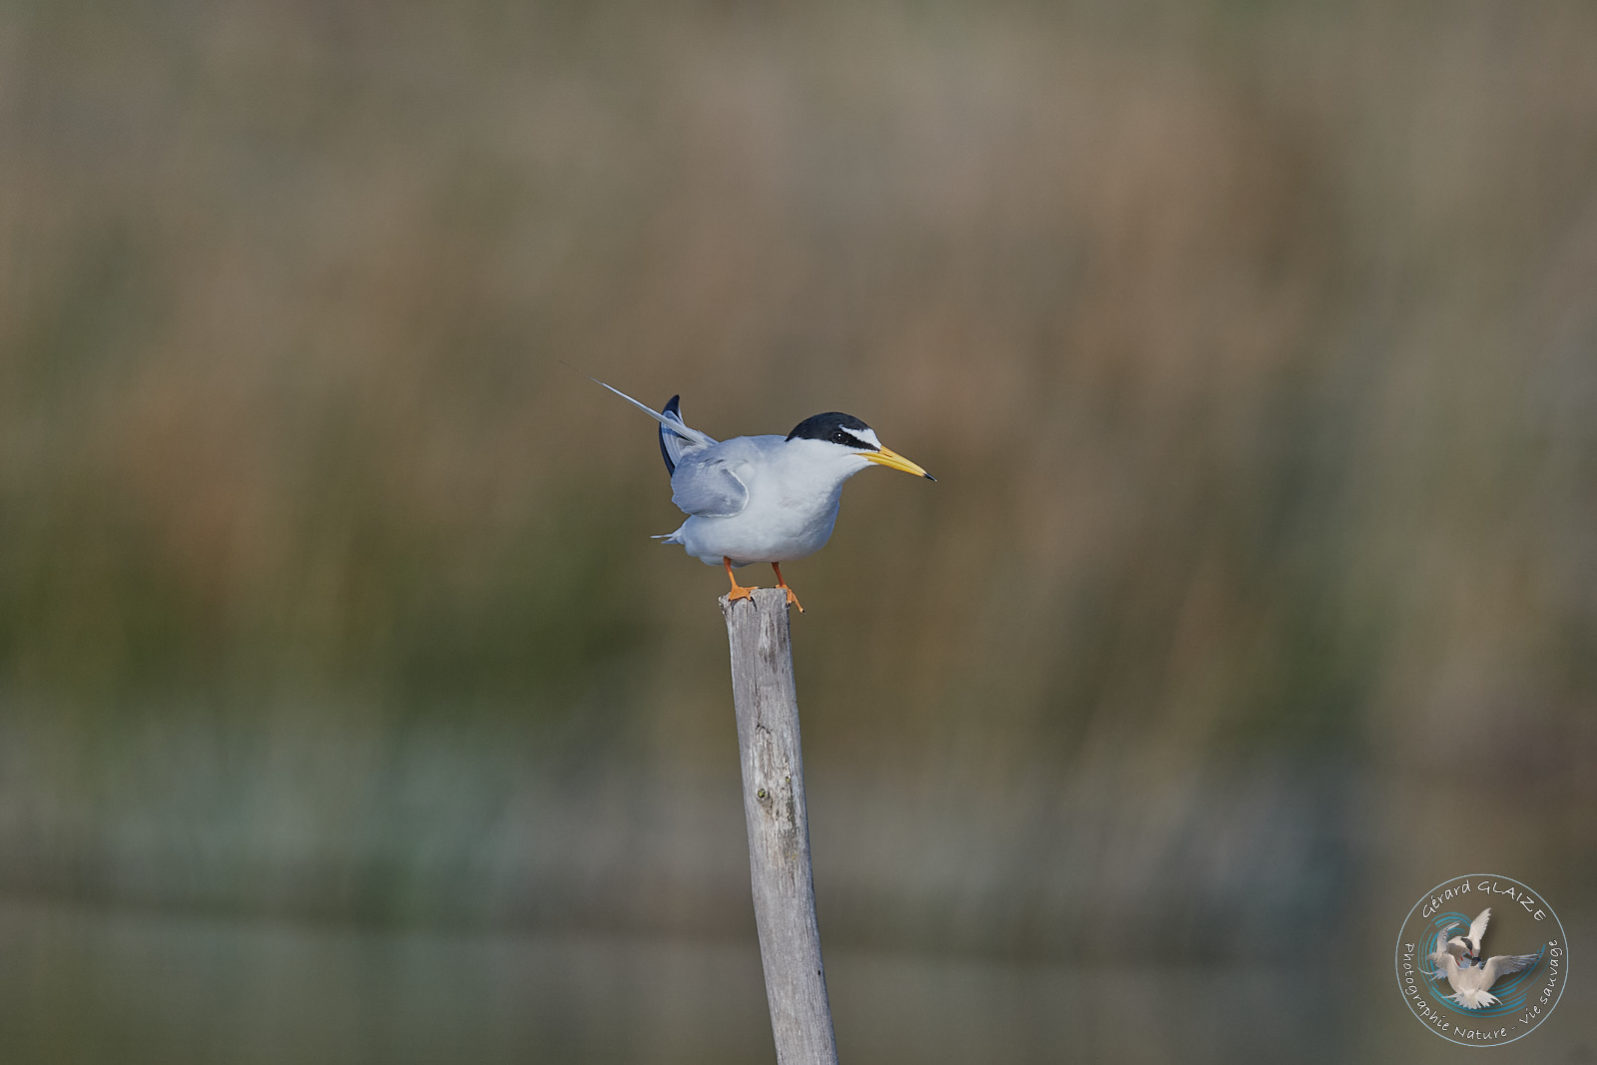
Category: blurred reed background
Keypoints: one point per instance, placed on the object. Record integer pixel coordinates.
(349, 713)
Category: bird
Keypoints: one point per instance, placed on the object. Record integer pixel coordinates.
(1457, 959)
(1470, 945)
(763, 498)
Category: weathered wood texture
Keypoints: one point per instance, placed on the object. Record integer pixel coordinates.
(779, 832)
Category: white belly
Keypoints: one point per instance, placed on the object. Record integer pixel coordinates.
(759, 534)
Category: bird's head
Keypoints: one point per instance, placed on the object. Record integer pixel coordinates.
(1463, 943)
(850, 444)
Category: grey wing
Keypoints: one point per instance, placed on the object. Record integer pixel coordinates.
(1503, 964)
(706, 484)
(676, 435)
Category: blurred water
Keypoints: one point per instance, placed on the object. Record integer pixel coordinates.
(89, 985)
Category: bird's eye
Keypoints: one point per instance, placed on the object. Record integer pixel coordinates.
(839, 437)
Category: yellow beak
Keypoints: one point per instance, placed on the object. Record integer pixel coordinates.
(894, 461)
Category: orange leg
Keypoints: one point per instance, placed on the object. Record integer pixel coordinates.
(780, 583)
(738, 591)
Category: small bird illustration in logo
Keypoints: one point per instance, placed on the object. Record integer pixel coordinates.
(1458, 958)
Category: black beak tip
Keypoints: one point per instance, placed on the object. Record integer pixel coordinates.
(929, 477)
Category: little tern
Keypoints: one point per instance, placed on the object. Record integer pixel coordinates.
(763, 498)
(1458, 960)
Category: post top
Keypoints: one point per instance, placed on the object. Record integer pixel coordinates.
(764, 600)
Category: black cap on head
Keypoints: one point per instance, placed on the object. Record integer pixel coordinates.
(834, 427)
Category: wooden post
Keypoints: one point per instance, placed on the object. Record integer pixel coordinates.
(779, 830)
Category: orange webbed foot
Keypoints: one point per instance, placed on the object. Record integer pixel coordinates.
(780, 583)
(738, 591)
